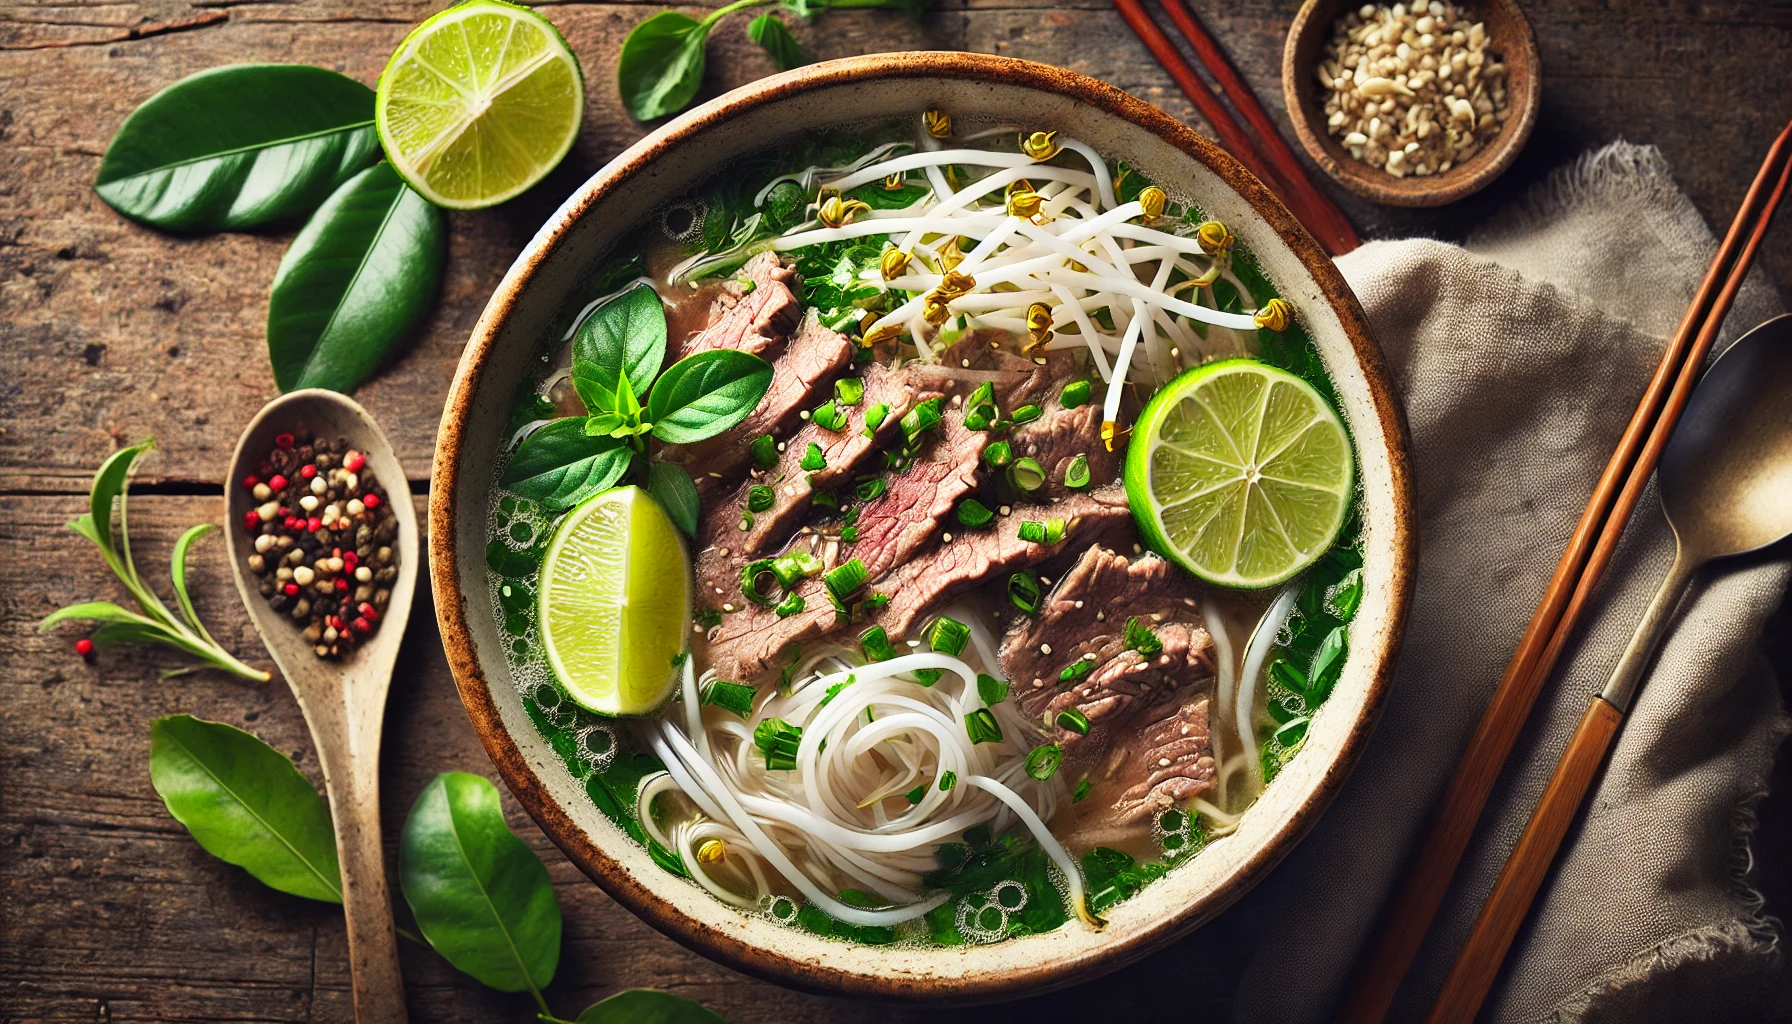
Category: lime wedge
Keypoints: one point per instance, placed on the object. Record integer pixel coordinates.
(616, 602)
(1240, 473)
(479, 103)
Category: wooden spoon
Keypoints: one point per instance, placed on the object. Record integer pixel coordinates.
(344, 701)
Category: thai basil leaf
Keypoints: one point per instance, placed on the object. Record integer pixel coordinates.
(702, 395)
(647, 1006)
(626, 336)
(108, 485)
(481, 897)
(673, 488)
(661, 65)
(559, 465)
(771, 33)
(178, 569)
(355, 282)
(246, 804)
(237, 147)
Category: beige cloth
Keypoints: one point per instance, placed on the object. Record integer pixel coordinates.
(1520, 357)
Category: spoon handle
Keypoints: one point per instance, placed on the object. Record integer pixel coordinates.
(1478, 964)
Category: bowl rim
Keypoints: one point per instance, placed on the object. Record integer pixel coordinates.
(511, 762)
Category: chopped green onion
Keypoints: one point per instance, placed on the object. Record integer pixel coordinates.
(826, 499)
(974, 419)
(849, 390)
(875, 416)
(829, 416)
(980, 410)
(735, 697)
(746, 285)
(981, 726)
(1289, 676)
(998, 454)
(1289, 736)
(985, 394)
(1072, 720)
(1076, 670)
(746, 521)
(765, 451)
(1042, 762)
(849, 534)
(876, 600)
(991, 689)
(1049, 532)
(973, 513)
(1082, 790)
(1027, 475)
(1076, 475)
(1328, 664)
(813, 459)
(1027, 414)
(924, 416)
(845, 578)
(760, 497)
(927, 676)
(851, 516)
(796, 657)
(790, 605)
(872, 489)
(835, 689)
(1076, 393)
(876, 644)
(915, 795)
(1140, 638)
(795, 567)
(709, 617)
(779, 741)
(947, 781)
(749, 581)
(1024, 592)
(948, 636)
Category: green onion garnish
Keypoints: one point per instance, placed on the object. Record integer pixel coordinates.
(829, 416)
(746, 521)
(1049, 532)
(981, 726)
(779, 741)
(1027, 475)
(796, 657)
(709, 618)
(876, 644)
(1023, 592)
(835, 689)
(1288, 675)
(1290, 735)
(980, 410)
(915, 795)
(760, 497)
(948, 636)
(876, 600)
(927, 676)
(735, 697)
(1138, 637)
(924, 416)
(1075, 394)
(750, 578)
(985, 394)
(1027, 414)
(1328, 664)
(849, 534)
(1076, 475)
(765, 451)
(1072, 720)
(1076, 670)
(849, 390)
(875, 416)
(975, 420)
(826, 499)
(1042, 762)
(795, 567)
(998, 454)
(973, 513)
(947, 781)
(813, 459)
(1082, 790)
(991, 689)
(845, 578)
(791, 604)
(872, 489)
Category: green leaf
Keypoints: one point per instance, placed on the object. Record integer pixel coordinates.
(771, 33)
(673, 488)
(237, 147)
(560, 466)
(94, 611)
(355, 282)
(178, 568)
(481, 896)
(647, 1006)
(108, 485)
(246, 804)
(661, 65)
(625, 336)
(702, 395)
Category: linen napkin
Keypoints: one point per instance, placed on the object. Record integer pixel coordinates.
(1520, 356)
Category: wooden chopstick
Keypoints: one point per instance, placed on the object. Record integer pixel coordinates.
(1478, 963)
(1319, 214)
(1407, 919)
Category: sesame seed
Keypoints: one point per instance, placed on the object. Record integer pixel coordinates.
(1137, 550)
(1037, 683)
(1045, 648)
(803, 415)
(1079, 604)
(780, 446)
(1006, 510)
(727, 607)
(718, 590)
(946, 539)
(1101, 616)
(914, 643)
(1089, 656)
(1163, 762)
(966, 363)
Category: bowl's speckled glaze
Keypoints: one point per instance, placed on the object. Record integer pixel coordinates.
(548, 276)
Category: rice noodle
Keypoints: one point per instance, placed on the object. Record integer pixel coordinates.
(1256, 652)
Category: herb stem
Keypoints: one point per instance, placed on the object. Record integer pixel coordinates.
(739, 5)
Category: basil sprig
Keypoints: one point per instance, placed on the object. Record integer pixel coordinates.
(617, 354)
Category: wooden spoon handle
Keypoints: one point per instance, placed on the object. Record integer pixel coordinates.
(1479, 962)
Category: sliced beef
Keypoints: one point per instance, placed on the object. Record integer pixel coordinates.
(754, 313)
(1136, 705)
(1057, 437)
(972, 558)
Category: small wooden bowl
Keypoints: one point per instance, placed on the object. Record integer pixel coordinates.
(1512, 40)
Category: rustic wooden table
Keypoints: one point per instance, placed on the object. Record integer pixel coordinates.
(110, 333)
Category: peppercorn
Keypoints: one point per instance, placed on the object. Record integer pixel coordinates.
(84, 647)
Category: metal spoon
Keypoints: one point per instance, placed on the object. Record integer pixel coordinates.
(1726, 486)
(344, 702)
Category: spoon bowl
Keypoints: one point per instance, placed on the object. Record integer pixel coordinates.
(343, 701)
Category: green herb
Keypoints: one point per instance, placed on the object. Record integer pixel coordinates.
(924, 416)
(876, 644)
(735, 697)
(360, 276)
(826, 499)
(645, 1006)
(849, 390)
(813, 460)
(1072, 720)
(778, 740)
(845, 578)
(947, 781)
(1081, 791)
(771, 34)
(1076, 474)
(915, 795)
(1049, 532)
(980, 725)
(875, 416)
(829, 415)
(153, 623)
(796, 658)
(991, 689)
(1285, 674)
(795, 567)
(1292, 733)
(560, 465)
(834, 690)
(1027, 475)
(752, 576)
(673, 488)
(1139, 637)
(927, 676)
(1027, 414)
(1343, 599)
(765, 451)
(1024, 592)
(709, 618)
(1076, 670)
(972, 513)
(1327, 666)
(1043, 761)
(704, 394)
(792, 603)
(1075, 394)
(876, 601)
(624, 337)
(1111, 876)
(872, 489)
(980, 409)
(998, 454)
(849, 534)
(760, 497)
(948, 636)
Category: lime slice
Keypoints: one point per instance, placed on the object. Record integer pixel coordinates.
(1239, 472)
(479, 103)
(616, 602)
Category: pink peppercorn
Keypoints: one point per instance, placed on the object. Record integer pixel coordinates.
(283, 441)
(83, 647)
(278, 483)
(292, 590)
(250, 481)
(353, 461)
(314, 524)
(369, 612)
(362, 626)
(307, 471)
(370, 500)
(251, 520)
(341, 584)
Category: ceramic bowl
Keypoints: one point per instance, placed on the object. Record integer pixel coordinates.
(547, 280)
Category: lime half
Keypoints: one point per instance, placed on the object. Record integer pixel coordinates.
(479, 103)
(1239, 472)
(616, 602)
